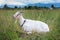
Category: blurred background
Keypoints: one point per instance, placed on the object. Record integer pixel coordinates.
(27, 3)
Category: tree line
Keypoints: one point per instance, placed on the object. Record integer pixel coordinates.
(27, 7)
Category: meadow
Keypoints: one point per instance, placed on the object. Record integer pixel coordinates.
(9, 30)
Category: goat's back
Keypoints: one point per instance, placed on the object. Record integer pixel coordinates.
(37, 26)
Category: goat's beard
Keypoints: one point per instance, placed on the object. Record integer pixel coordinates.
(16, 18)
(15, 21)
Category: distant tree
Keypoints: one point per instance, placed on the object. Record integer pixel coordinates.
(5, 6)
(52, 6)
(15, 6)
(35, 7)
(29, 7)
(25, 7)
(45, 7)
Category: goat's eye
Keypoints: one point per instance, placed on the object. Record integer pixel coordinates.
(17, 15)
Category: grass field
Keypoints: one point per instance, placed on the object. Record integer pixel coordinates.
(12, 31)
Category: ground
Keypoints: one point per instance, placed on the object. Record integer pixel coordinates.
(12, 31)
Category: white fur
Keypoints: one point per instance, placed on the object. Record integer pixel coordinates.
(32, 25)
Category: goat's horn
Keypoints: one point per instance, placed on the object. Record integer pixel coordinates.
(21, 12)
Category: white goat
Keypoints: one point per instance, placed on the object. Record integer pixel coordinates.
(31, 25)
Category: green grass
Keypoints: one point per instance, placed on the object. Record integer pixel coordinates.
(12, 31)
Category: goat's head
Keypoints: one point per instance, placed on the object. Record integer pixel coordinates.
(17, 15)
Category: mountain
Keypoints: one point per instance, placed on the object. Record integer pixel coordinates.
(11, 4)
(2, 6)
(15, 4)
(56, 5)
(41, 5)
(49, 5)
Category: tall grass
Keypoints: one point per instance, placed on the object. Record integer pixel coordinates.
(12, 31)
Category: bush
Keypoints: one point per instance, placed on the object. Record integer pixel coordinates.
(5, 6)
